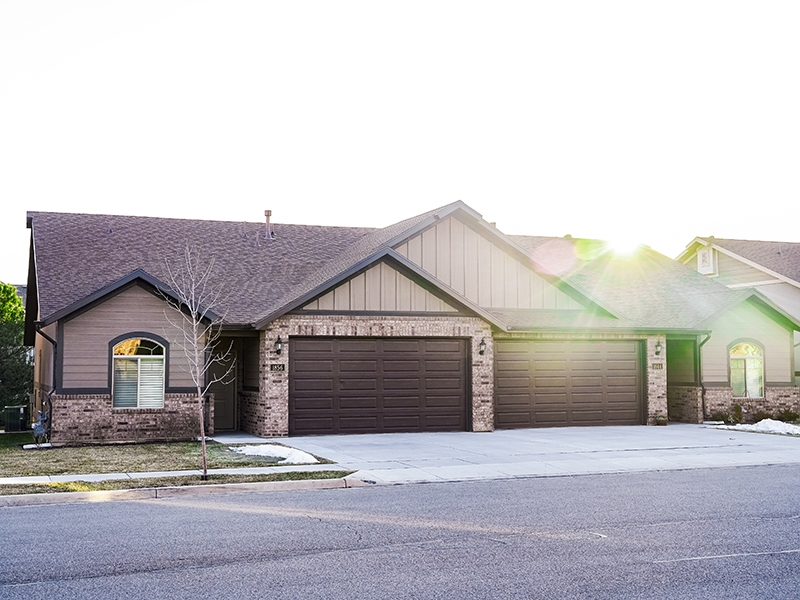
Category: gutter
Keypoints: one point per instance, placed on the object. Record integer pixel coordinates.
(700, 374)
(38, 325)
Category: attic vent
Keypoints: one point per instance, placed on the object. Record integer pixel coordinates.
(707, 261)
(270, 235)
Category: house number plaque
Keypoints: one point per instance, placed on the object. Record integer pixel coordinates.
(277, 368)
(656, 366)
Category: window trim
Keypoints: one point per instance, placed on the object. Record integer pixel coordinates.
(112, 361)
(762, 357)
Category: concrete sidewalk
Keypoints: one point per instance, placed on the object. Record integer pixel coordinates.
(430, 457)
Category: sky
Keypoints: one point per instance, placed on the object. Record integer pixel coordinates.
(650, 122)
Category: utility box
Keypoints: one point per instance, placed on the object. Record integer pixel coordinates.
(16, 418)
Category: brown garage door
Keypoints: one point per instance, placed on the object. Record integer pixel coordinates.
(377, 385)
(560, 383)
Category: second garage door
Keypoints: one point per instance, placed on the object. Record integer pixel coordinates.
(377, 385)
(562, 383)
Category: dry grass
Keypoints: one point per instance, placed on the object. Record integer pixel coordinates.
(116, 458)
(160, 482)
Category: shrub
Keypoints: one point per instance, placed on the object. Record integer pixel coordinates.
(761, 415)
(788, 416)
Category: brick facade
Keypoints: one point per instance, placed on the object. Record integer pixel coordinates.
(685, 403)
(92, 419)
(268, 414)
(775, 400)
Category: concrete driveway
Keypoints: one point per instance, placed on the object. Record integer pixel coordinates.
(429, 457)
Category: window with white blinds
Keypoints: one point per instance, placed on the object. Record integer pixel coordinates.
(138, 374)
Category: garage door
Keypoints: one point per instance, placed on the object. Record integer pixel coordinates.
(377, 385)
(561, 383)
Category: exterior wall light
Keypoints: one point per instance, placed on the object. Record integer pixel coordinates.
(482, 347)
(278, 345)
(658, 348)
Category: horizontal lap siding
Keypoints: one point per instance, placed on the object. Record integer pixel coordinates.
(733, 271)
(748, 322)
(560, 383)
(363, 385)
(85, 343)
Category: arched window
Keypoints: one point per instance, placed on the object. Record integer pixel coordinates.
(747, 371)
(138, 374)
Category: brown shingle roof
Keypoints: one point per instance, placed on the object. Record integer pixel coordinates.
(79, 254)
(780, 257)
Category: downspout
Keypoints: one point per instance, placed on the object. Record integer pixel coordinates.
(700, 373)
(38, 326)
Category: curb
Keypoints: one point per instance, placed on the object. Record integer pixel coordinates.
(169, 492)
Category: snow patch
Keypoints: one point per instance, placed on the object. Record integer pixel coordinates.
(289, 455)
(766, 426)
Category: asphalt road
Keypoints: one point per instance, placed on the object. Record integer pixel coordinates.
(700, 534)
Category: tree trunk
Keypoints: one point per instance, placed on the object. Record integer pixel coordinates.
(202, 415)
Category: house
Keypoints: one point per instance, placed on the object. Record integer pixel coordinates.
(772, 268)
(440, 322)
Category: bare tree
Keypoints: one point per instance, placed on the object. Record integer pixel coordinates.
(196, 299)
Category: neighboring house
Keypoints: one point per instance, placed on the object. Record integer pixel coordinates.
(438, 323)
(772, 268)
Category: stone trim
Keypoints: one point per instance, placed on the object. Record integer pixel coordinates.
(268, 414)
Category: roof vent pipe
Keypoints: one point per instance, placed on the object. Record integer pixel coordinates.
(269, 233)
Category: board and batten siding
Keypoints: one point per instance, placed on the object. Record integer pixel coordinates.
(480, 270)
(747, 322)
(380, 288)
(86, 338)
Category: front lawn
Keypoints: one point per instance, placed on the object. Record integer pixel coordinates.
(116, 458)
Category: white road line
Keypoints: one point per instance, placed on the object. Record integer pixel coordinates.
(726, 556)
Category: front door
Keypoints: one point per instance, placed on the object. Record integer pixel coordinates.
(224, 396)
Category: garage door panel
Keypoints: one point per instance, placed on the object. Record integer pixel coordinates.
(544, 399)
(576, 382)
(313, 385)
(349, 384)
(594, 381)
(370, 366)
(402, 402)
(314, 404)
(312, 345)
(347, 346)
(377, 384)
(357, 424)
(303, 424)
(549, 365)
(625, 382)
(551, 418)
(400, 345)
(393, 384)
(453, 346)
(401, 365)
(515, 400)
(442, 401)
(313, 366)
(358, 402)
(450, 383)
(432, 366)
(514, 382)
(401, 422)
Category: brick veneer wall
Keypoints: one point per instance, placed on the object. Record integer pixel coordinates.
(775, 400)
(92, 419)
(685, 403)
(268, 415)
